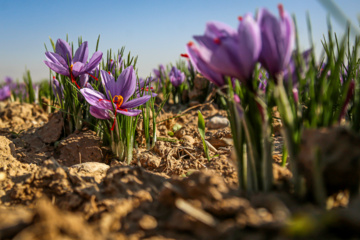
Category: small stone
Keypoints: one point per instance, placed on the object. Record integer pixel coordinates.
(188, 139)
(147, 222)
(91, 167)
(218, 122)
(2, 176)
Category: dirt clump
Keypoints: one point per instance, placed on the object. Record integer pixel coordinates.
(19, 116)
(79, 147)
(52, 130)
(332, 153)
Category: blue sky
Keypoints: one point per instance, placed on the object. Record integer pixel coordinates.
(155, 30)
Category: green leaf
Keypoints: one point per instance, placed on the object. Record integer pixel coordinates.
(201, 128)
(52, 43)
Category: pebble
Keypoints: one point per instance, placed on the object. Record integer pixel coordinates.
(218, 122)
(2, 176)
(148, 222)
(188, 139)
(91, 166)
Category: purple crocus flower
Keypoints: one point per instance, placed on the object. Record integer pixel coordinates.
(57, 89)
(5, 92)
(290, 71)
(176, 77)
(120, 91)
(160, 73)
(65, 64)
(231, 52)
(262, 85)
(277, 36)
(145, 86)
(202, 67)
(8, 80)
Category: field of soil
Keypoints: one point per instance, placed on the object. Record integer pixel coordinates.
(55, 187)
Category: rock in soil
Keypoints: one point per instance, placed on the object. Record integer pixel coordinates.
(218, 122)
(90, 169)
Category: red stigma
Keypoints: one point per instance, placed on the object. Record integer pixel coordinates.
(240, 18)
(184, 55)
(190, 44)
(109, 72)
(217, 40)
(111, 60)
(281, 10)
(54, 77)
(93, 77)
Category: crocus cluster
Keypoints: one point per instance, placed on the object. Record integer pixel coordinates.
(160, 73)
(78, 69)
(10, 86)
(224, 51)
(176, 77)
(64, 63)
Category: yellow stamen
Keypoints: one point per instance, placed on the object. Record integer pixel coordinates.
(118, 99)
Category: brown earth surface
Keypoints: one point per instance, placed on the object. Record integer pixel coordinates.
(53, 187)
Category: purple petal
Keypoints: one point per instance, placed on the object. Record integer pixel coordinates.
(84, 79)
(130, 112)
(96, 98)
(99, 113)
(5, 92)
(126, 83)
(136, 102)
(81, 54)
(108, 82)
(176, 77)
(202, 67)
(218, 30)
(58, 68)
(63, 49)
(233, 55)
(78, 69)
(278, 36)
(57, 59)
(94, 61)
(8, 80)
(289, 37)
(57, 89)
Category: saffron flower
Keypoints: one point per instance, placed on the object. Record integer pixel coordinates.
(176, 77)
(65, 64)
(57, 89)
(145, 86)
(202, 67)
(290, 71)
(278, 37)
(231, 52)
(5, 92)
(117, 92)
(160, 73)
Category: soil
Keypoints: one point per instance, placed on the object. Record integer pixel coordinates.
(53, 187)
